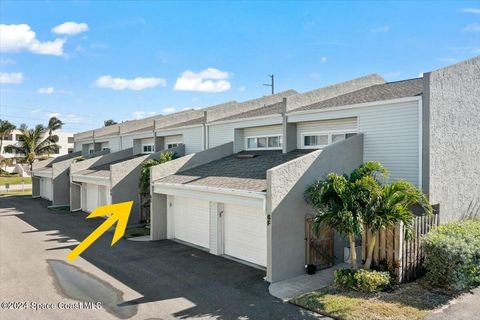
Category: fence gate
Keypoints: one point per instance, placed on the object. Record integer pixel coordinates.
(144, 207)
(319, 247)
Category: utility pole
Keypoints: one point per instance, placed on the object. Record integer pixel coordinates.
(272, 84)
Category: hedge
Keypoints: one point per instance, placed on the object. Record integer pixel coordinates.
(452, 255)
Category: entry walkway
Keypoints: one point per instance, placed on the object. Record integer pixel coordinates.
(293, 287)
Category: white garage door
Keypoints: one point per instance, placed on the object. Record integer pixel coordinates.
(245, 233)
(191, 221)
(91, 200)
(46, 188)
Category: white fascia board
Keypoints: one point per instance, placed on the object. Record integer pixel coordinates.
(271, 116)
(43, 173)
(102, 181)
(241, 197)
(291, 114)
(178, 128)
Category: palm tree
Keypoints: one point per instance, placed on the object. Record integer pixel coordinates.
(33, 144)
(335, 203)
(5, 129)
(392, 204)
(54, 124)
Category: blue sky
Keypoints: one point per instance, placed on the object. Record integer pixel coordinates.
(129, 59)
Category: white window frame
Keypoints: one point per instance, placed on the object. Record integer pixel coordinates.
(90, 151)
(172, 143)
(148, 145)
(323, 133)
(280, 136)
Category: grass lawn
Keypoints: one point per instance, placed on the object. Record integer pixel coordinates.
(408, 301)
(136, 232)
(14, 180)
(26, 193)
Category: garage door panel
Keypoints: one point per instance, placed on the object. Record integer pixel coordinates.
(46, 188)
(192, 221)
(92, 197)
(245, 234)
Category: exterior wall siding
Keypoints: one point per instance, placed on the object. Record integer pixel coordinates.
(225, 132)
(391, 135)
(324, 126)
(192, 137)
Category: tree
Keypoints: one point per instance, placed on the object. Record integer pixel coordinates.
(34, 143)
(144, 182)
(335, 203)
(6, 128)
(54, 124)
(392, 204)
(109, 122)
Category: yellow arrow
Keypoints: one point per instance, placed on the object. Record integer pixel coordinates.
(119, 213)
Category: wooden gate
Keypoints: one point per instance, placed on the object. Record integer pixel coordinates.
(319, 247)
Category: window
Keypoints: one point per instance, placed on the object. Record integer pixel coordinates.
(70, 150)
(90, 151)
(267, 142)
(172, 145)
(315, 140)
(8, 137)
(148, 148)
(320, 140)
(70, 139)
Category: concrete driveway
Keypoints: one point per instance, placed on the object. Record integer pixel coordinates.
(139, 280)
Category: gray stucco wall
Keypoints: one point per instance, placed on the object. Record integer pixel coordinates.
(452, 159)
(124, 177)
(286, 185)
(35, 187)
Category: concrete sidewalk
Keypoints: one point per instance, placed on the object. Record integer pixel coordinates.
(293, 287)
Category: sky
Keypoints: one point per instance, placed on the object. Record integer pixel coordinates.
(86, 62)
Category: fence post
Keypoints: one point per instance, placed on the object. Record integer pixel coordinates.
(399, 242)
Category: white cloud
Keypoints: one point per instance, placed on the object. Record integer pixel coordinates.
(323, 59)
(208, 80)
(142, 114)
(168, 110)
(476, 51)
(242, 88)
(46, 90)
(381, 29)
(12, 77)
(475, 27)
(7, 61)
(67, 118)
(20, 37)
(471, 10)
(314, 75)
(132, 84)
(70, 28)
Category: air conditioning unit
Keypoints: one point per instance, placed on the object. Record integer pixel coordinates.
(346, 253)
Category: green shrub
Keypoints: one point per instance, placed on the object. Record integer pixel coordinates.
(452, 255)
(344, 278)
(362, 280)
(372, 281)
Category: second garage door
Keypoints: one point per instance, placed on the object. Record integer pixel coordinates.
(245, 234)
(191, 221)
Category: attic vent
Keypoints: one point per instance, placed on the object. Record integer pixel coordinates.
(245, 156)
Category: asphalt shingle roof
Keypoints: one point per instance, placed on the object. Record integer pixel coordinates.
(379, 92)
(234, 173)
(104, 169)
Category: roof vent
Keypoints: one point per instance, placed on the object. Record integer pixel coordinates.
(245, 156)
